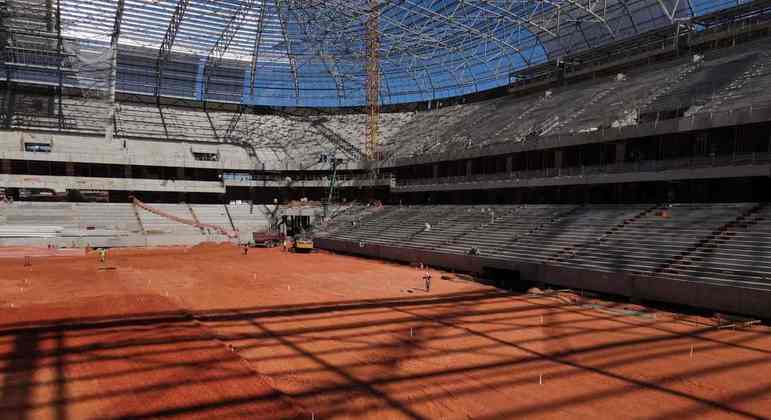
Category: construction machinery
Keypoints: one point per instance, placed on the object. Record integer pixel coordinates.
(302, 243)
(267, 239)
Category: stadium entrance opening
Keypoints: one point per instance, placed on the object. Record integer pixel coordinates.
(505, 278)
(296, 225)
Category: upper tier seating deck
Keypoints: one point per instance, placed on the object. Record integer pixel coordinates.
(586, 106)
(722, 80)
(702, 82)
(144, 121)
(750, 87)
(188, 124)
(628, 92)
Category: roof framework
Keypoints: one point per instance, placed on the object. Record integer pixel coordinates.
(314, 52)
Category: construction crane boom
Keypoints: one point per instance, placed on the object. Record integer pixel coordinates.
(373, 81)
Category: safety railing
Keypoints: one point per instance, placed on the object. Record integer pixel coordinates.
(579, 171)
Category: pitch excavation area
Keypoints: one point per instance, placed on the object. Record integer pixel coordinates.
(209, 333)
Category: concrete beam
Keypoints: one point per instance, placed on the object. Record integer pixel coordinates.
(64, 183)
(607, 178)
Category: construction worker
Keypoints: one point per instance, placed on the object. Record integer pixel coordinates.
(244, 249)
(427, 279)
(102, 255)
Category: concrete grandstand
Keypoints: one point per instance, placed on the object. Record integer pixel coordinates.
(611, 158)
(674, 111)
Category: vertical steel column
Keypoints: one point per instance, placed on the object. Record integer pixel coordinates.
(109, 130)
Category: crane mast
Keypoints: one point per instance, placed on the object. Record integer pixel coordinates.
(373, 81)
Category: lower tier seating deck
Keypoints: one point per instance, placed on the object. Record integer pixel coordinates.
(122, 224)
(723, 243)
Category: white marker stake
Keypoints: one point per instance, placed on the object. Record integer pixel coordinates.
(411, 335)
(691, 351)
(540, 379)
(541, 319)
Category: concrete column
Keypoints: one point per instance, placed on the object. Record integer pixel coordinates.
(435, 170)
(180, 173)
(5, 166)
(620, 152)
(469, 167)
(509, 164)
(69, 168)
(127, 171)
(558, 159)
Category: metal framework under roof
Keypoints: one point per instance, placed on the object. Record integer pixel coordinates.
(311, 52)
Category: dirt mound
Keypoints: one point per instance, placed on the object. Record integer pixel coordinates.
(214, 246)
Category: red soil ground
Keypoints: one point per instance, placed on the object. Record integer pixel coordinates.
(34, 251)
(209, 333)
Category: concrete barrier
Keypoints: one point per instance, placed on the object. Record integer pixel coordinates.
(723, 298)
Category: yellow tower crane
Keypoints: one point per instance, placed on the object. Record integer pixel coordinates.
(373, 81)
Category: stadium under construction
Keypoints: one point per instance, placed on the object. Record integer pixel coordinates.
(595, 166)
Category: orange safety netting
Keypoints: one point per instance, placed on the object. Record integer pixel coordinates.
(229, 233)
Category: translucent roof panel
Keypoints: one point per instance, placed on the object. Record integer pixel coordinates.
(314, 52)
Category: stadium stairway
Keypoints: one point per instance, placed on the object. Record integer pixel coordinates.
(738, 251)
(620, 221)
(646, 243)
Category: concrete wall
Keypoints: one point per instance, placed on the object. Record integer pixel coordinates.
(63, 183)
(148, 152)
(739, 300)
(93, 149)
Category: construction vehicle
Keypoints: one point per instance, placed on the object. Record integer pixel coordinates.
(302, 244)
(267, 239)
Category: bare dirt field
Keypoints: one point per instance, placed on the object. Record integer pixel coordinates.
(209, 333)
